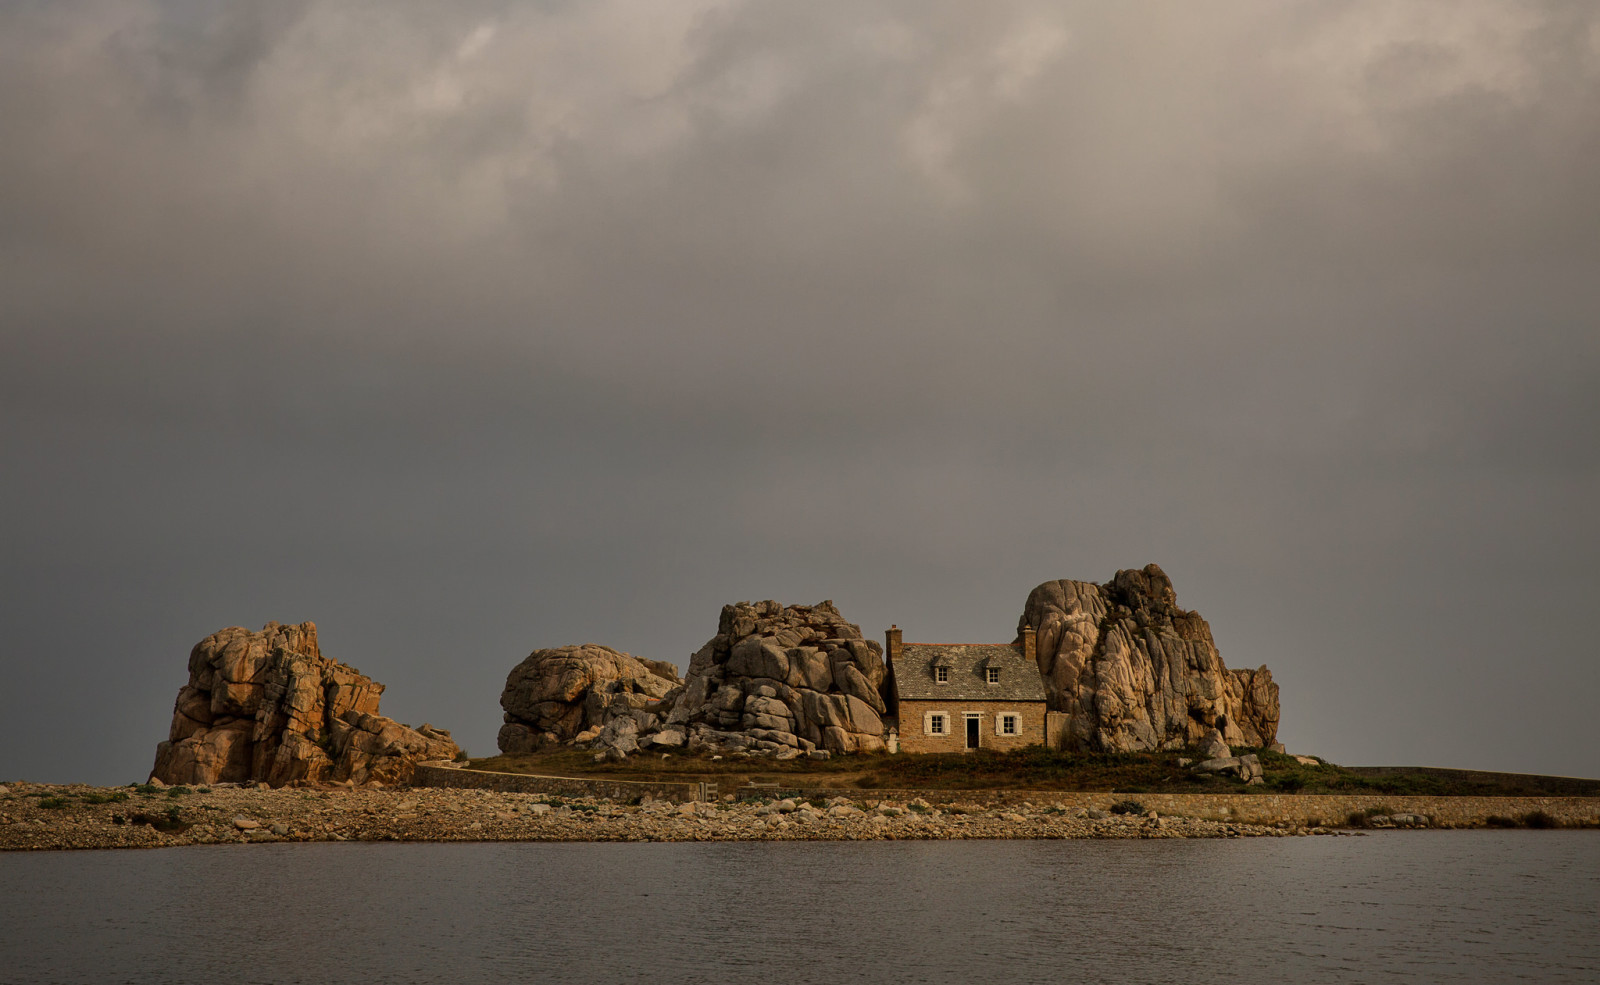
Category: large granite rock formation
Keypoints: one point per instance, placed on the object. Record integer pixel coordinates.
(560, 694)
(783, 680)
(1133, 671)
(270, 707)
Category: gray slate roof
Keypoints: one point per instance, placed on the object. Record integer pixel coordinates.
(913, 673)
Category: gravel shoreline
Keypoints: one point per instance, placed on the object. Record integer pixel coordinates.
(36, 816)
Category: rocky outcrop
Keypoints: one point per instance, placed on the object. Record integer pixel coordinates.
(783, 680)
(1134, 671)
(560, 694)
(269, 707)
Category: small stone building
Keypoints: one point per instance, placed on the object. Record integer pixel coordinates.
(957, 697)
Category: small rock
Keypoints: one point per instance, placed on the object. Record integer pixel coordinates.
(280, 829)
(155, 781)
(1212, 746)
(1307, 761)
(537, 809)
(786, 806)
(246, 824)
(670, 738)
(819, 754)
(4, 790)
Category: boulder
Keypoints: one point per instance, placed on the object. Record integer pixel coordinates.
(1133, 671)
(569, 690)
(790, 677)
(269, 707)
(1211, 746)
(667, 738)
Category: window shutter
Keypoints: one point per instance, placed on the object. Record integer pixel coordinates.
(997, 720)
(927, 723)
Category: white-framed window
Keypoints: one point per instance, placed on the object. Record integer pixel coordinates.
(941, 675)
(992, 675)
(935, 723)
(1007, 724)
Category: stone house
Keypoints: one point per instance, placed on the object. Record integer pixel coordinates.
(957, 697)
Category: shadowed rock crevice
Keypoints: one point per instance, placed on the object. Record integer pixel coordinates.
(269, 707)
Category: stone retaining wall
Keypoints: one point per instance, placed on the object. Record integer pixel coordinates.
(1253, 808)
(621, 790)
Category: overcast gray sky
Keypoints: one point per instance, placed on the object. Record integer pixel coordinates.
(465, 329)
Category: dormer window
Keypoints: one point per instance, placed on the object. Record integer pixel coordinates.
(941, 675)
(992, 675)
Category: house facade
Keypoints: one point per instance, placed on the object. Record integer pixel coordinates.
(960, 697)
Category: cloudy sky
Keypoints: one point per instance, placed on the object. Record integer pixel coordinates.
(465, 329)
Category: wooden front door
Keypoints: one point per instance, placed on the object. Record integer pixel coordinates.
(972, 733)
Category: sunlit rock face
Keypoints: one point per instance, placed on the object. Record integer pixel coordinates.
(1134, 671)
(785, 680)
(558, 694)
(268, 706)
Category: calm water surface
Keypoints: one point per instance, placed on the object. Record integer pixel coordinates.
(1460, 906)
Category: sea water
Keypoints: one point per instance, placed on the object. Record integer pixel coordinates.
(1446, 906)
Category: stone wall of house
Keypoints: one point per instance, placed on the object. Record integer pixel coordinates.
(1030, 727)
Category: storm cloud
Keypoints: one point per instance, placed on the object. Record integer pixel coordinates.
(464, 329)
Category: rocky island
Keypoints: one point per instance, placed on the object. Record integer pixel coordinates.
(785, 726)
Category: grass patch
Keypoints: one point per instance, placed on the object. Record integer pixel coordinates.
(115, 797)
(145, 788)
(178, 792)
(55, 803)
(1538, 819)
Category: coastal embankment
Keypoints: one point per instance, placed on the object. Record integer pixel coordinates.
(51, 816)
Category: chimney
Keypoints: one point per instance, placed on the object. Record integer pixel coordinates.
(891, 640)
(1030, 645)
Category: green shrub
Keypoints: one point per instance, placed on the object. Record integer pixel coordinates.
(55, 803)
(115, 797)
(203, 790)
(1539, 819)
(178, 792)
(1127, 807)
(145, 788)
(1500, 821)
